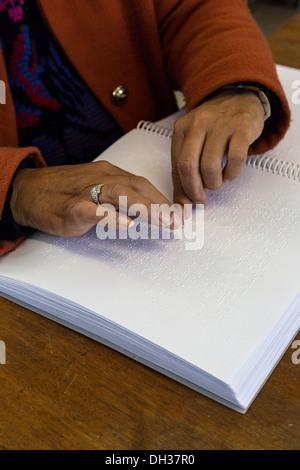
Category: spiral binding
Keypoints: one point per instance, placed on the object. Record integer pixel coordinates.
(155, 129)
(275, 166)
(260, 162)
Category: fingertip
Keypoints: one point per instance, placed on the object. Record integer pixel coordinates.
(124, 222)
(131, 224)
(181, 199)
(203, 200)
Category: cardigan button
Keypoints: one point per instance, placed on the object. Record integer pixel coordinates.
(120, 95)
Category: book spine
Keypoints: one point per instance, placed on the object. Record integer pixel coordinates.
(260, 162)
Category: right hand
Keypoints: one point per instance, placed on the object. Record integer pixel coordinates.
(57, 200)
(225, 125)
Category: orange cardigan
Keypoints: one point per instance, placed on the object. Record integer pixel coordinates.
(152, 47)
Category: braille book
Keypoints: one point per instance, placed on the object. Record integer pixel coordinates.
(217, 318)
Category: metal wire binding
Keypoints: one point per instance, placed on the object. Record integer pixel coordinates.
(260, 162)
(275, 166)
(155, 129)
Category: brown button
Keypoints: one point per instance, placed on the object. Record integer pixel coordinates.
(120, 95)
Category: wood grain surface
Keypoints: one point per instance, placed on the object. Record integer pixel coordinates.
(285, 43)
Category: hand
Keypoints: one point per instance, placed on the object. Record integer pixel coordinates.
(57, 200)
(225, 125)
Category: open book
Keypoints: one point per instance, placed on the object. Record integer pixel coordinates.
(218, 319)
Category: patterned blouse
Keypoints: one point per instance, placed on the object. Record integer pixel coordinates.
(55, 109)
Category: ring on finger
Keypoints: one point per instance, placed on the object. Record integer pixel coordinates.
(96, 193)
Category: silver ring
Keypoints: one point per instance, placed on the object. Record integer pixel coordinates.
(96, 193)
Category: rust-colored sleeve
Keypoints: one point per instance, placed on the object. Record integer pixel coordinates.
(212, 43)
(11, 155)
(10, 159)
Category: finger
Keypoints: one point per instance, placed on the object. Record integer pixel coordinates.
(86, 214)
(237, 156)
(179, 194)
(211, 165)
(138, 184)
(186, 162)
(125, 198)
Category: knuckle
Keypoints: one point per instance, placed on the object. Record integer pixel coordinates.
(245, 120)
(140, 182)
(115, 189)
(211, 170)
(175, 172)
(238, 158)
(197, 120)
(201, 117)
(186, 166)
(78, 212)
(194, 194)
(105, 165)
(212, 176)
(179, 125)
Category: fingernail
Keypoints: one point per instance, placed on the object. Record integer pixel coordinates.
(125, 226)
(178, 222)
(123, 222)
(188, 210)
(165, 218)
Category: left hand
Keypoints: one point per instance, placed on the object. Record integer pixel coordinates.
(225, 125)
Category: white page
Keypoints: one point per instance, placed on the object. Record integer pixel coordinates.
(211, 307)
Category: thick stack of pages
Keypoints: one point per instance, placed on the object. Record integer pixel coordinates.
(217, 318)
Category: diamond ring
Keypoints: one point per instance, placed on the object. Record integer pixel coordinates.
(96, 193)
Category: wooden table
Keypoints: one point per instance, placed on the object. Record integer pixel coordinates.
(285, 43)
(61, 390)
